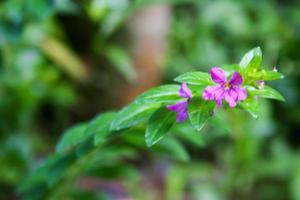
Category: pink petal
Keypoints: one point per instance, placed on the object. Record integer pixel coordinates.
(236, 79)
(242, 93)
(184, 91)
(208, 93)
(217, 75)
(231, 97)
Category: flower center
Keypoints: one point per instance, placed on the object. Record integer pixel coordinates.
(227, 86)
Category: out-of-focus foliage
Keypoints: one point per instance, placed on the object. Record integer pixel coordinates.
(149, 109)
(60, 61)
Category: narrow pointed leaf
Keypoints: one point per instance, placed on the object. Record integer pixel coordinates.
(252, 59)
(199, 112)
(132, 115)
(159, 124)
(167, 94)
(271, 75)
(173, 148)
(187, 133)
(58, 168)
(122, 62)
(219, 123)
(267, 92)
(195, 78)
(72, 137)
(99, 127)
(251, 106)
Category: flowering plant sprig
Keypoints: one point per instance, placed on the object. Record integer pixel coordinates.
(156, 111)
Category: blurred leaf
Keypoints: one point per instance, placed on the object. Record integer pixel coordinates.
(159, 124)
(98, 9)
(267, 92)
(271, 75)
(114, 172)
(85, 147)
(117, 13)
(108, 155)
(132, 115)
(140, 4)
(175, 183)
(46, 176)
(195, 78)
(64, 58)
(100, 127)
(188, 133)
(219, 123)
(58, 167)
(199, 112)
(65, 6)
(174, 149)
(252, 59)
(35, 192)
(167, 94)
(122, 62)
(295, 184)
(72, 137)
(251, 106)
(36, 179)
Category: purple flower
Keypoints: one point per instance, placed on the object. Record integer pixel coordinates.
(230, 90)
(181, 107)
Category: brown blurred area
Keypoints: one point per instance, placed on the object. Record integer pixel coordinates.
(148, 29)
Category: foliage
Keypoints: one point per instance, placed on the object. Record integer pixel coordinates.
(61, 62)
(81, 141)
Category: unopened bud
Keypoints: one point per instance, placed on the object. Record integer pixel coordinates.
(260, 84)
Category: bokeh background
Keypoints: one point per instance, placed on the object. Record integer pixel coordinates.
(63, 62)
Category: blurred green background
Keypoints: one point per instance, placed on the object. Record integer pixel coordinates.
(64, 61)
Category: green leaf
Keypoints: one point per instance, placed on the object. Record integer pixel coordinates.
(252, 59)
(251, 106)
(173, 148)
(167, 94)
(97, 9)
(186, 132)
(267, 92)
(35, 192)
(34, 186)
(271, 75)
(195, 78)
(114, 171)
(159, 124)
(116, 14)
(199, 112)
(99, 127)
(132, 115)
(85, 147)
(58, 167)
(64, 57)
(72, 137)
(219, 123)
(122, 62)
